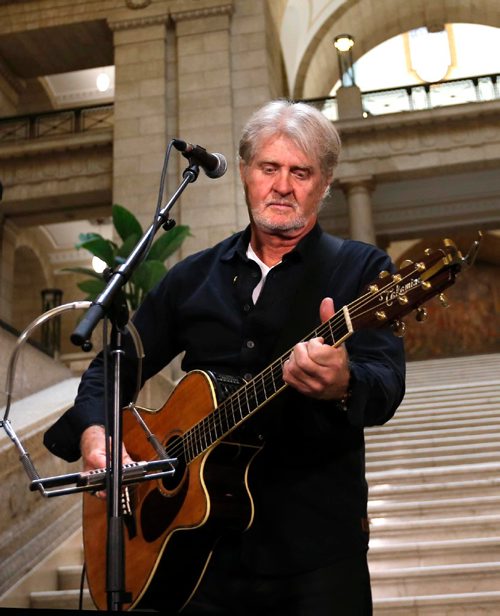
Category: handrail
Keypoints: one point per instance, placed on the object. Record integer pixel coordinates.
(418, 96)
(56, 122)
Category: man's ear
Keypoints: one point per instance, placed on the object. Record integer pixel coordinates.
(242, 171)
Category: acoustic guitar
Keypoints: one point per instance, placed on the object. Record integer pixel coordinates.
(171, 524)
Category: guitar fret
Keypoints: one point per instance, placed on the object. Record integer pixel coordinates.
(188, 445)
(227, 403)
(195, 441)
(206, 432)
(272, 378)
(185, 448)
(199, 436)
(263, 379)
(255, 393)
(213, 432)
(332, 337)
(191, 447)
(219, 415)
(247, 401)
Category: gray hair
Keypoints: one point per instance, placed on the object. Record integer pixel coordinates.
(306, 126)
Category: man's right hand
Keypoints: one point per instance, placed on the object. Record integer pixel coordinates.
(93, 449)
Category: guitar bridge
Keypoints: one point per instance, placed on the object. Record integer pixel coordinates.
(127, 509)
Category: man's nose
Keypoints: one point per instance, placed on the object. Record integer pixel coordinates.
(282, 183)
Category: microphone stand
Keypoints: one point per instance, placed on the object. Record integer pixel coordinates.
(109, 304)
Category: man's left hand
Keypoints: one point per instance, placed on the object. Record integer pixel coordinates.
(317, 369)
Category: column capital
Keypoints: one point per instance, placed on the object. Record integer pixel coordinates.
(364, 182)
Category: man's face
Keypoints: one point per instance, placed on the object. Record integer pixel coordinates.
(283, 187)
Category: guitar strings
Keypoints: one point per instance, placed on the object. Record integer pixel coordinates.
(201, 436)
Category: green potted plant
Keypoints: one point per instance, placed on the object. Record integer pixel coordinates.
(150, 270)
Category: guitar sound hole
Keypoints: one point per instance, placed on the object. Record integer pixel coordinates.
(175, 450)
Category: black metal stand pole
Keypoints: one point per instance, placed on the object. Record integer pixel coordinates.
(109, 302)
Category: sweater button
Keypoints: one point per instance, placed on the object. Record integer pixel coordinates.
(250, 344)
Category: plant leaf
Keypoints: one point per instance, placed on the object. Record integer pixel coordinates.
(83, 270)
(92, 287)
(127, 247)
(100, 247)
(168, 243)
(148, 274)
(125, 223)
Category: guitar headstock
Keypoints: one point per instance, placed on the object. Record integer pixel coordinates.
(392, 296)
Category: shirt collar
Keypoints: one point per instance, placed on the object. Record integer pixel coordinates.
(238, 245)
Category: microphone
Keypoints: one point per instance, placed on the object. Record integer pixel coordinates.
(214, 165)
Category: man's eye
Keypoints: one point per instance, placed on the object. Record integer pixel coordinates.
(268, 170)
(301, 174)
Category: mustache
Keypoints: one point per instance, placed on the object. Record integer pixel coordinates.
(278, 201)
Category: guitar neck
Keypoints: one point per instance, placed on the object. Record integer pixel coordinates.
(254, 394)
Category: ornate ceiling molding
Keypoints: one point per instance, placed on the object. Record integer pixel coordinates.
(138, 22)
(137, 4)
(213, 11)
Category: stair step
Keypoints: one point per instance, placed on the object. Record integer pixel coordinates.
(408, 581)
(433, 412)
(444, 388)
(458, 604)
(439, 426)
(457, 472)
(416, 433)
(415, 462)
(60, 600)
(440, 507)
(449, 403)
(447, 389)
(435, 490)
(383, 556)
(401, 529)
(442, 419)
(69, 577)
(459, 442)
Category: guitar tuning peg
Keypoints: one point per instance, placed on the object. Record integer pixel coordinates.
(383, 274)
(421, 314)
(406, 263)
(443, 300)
(398, 328)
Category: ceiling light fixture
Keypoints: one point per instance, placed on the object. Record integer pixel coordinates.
(103, 82)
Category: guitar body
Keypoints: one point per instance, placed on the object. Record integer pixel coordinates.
(208, 497)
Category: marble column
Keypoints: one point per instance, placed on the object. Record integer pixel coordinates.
(358, 195)
(139, 140)
(205, 116)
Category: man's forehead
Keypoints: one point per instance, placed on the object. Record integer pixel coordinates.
(281, 149)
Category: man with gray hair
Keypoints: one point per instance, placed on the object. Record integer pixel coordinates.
(233, 309)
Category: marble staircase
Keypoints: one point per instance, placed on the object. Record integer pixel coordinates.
(434, 476)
